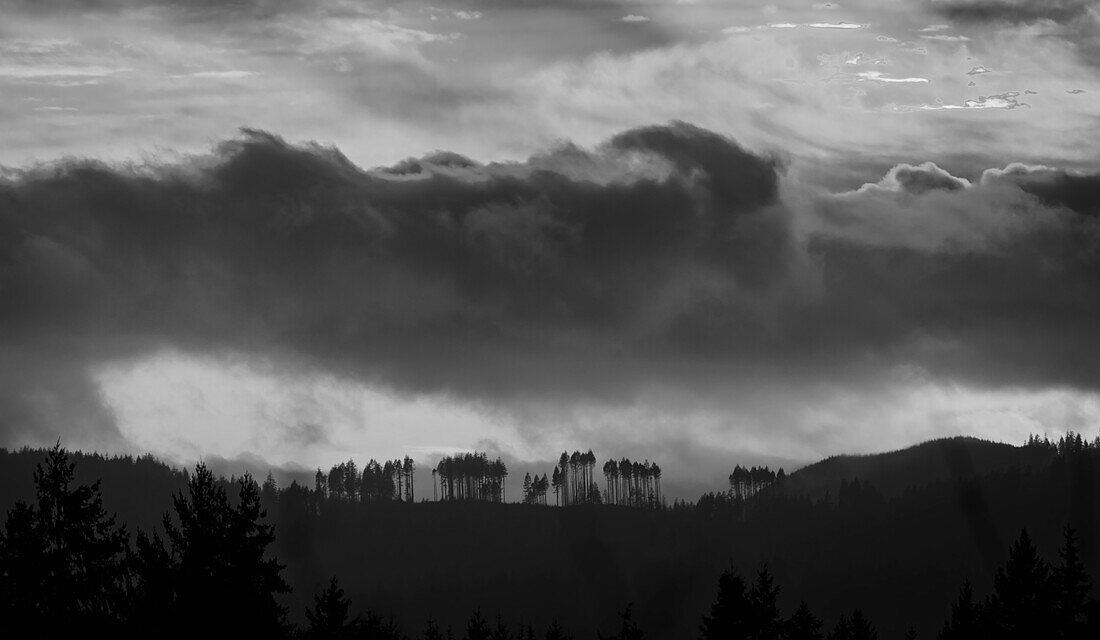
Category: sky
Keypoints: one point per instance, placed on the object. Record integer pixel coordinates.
(290, 232)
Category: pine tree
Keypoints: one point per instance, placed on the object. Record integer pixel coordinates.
(328, 619)
(477, 628)
(501, 632)
(213, 572)
(629, 629)
(730, 613)
(1071, 586)
(62, 561)
(861, 628)
(803, 625)
(764, 622)
(431, 631)
(965, 620)
(1021, 606)
(842, 630)
(555, 632)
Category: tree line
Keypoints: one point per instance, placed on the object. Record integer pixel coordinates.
(66, 566)
(470, 476)
(534, 489)
(632, 483)
(391, 481)
(746, 482)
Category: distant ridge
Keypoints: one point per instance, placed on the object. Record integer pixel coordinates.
(893, 472)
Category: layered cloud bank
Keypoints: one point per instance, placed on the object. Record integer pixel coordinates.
(667, 269)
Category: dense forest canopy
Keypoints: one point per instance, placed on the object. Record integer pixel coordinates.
(812, 554)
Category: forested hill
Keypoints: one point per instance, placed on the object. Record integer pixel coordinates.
(891, 473)
(138, 489)
(948, 513)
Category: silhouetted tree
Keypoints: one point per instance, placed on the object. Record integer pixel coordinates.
(964, 622)
(744, 613)
(803, 625)
(328, 618)
(477, 628)
(555, 632)
(62, 561)
(628, 630)
(861, 628)
(431, 631)
(1071, 586)
(214, 572)
(1021, 605)
(501, 632)
(730, 614)
(764, 621)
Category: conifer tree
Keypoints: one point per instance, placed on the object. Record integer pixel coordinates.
(764, 621)
(477, 628)
(965, 619)
(860, 627)
(729, 615)
(555, 632)
(328, 618)
(63, 560)
(803, 625)
(431, 631)
(1071, 586)
(214, 571)
(628, 630)
(1021, 606)
(501, 631)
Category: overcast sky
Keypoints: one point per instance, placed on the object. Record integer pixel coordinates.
(706, 233)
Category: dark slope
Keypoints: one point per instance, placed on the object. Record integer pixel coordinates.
(933, 461)
(138, 489)
(899, 559)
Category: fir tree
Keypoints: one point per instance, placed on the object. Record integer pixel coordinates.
(803, 625)
(328, 618)
(62, 561)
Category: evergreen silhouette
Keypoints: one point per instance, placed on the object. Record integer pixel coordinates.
(501, 632)
(739, 613)
(328, 618)
(1071, 585)
(729, 616)
(856, 627)
(803, 625)
(555, 632)
(213, 572)
(1022, 603)
(965, 621)
(63, 560)
(477, 628)
(764, 617)
(431, 631)
(628, 630)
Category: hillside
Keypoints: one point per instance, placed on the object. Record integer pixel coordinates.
(902, 551)
(932, 461)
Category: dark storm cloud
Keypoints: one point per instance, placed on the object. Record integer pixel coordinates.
(1054, 187)
(437, 273)
(1012, 11)
(666, 255)
(1077, 22)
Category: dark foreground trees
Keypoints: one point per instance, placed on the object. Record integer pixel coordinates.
(62, 560)
(212, 569)
(1030, 598)
(189, 580)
